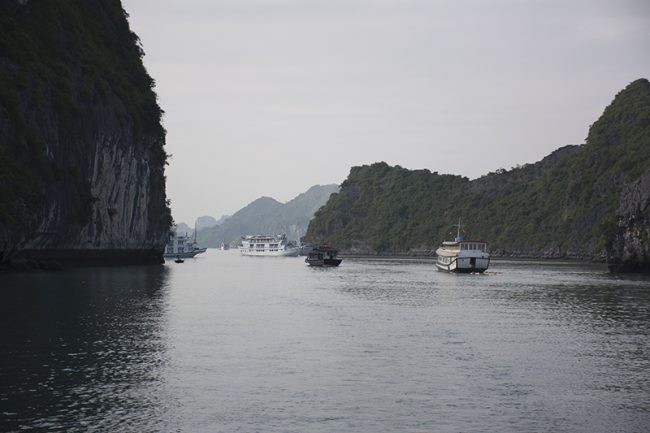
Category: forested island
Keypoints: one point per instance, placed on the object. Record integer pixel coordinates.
(585, 201)
(81, 140)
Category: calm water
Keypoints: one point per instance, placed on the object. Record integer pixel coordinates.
(225, 343)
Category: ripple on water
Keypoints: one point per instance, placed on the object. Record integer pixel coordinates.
(230, 344)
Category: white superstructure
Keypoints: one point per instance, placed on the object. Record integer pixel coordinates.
(264, 245)
(460, 255)
(463, 256)
(181, 246)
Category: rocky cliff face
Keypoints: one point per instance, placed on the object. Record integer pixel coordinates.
(81, 142)
(629, 250)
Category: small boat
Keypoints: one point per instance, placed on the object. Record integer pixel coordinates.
(182, 246)
(460, 255)
(265, 245)
(179, 260)
(323, 256)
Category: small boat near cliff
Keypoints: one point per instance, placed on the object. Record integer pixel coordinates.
(181, 246)
(465, 256)
(323, 256)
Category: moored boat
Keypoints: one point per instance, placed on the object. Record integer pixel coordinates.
(181, 246)
(268, 245)
(323, 256)
(460, 255)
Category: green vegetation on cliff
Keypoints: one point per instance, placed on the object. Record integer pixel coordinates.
(563, 205)
(71, 74)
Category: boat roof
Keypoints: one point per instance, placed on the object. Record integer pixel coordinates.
(264, 236)
(464, 241)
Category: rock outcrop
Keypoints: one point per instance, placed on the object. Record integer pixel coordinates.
(629, 250)
(81, 141)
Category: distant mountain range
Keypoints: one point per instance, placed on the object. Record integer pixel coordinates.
(201, 223)
(265, 216)
(587, 201)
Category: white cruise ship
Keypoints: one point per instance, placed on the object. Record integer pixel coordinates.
(462, 255)
(263, 245)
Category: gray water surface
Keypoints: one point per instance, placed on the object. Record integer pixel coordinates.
(225, 343)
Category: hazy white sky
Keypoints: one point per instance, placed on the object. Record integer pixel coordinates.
(269, 97)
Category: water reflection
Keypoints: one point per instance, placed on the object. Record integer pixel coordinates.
(526, 331)
(82, 348)
(403, 281)
(224, 343)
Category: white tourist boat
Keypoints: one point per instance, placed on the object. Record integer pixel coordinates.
(181, 246)
(264, 245)
(462, 255)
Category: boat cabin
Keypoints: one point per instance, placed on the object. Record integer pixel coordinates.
(323, 256)
(466, 245)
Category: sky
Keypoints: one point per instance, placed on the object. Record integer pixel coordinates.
(270, 97)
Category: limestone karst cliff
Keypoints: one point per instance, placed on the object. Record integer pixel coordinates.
(81, 141)
(629, 248)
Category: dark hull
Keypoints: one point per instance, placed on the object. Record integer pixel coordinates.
(323, 262)
(461, 271)
(463, 267)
